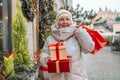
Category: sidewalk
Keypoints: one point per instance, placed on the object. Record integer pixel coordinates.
(105, 65)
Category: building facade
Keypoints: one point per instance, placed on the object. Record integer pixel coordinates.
(7, 13)
(107, 13)
(107, 21)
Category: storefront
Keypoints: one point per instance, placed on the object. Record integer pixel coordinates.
(5, 25)
(1, 26)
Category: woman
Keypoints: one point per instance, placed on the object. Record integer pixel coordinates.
(66, 32)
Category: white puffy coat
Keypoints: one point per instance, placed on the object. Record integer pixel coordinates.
(74, 47)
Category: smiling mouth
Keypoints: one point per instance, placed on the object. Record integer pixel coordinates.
(64, 25)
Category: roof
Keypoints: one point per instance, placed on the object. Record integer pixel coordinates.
(117, 19)
(100, 21)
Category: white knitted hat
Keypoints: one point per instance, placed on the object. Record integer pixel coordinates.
(63, 11)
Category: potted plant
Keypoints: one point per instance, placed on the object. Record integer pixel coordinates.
(2, 67)
(2, 75)
(23, 65)
(22, 72)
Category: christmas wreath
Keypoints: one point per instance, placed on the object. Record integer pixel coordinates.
(26, 9)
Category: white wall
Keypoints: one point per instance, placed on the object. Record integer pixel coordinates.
(70, 3)
(59, 4)
(14, 10)
(32, 36)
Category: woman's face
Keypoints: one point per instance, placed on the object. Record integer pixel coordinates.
(64, 21)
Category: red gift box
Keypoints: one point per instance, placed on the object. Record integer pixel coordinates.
(57, 66)
(57, 51)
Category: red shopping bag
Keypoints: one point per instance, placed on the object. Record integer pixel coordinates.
(97, 38)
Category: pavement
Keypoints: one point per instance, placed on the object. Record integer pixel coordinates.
(104, 65)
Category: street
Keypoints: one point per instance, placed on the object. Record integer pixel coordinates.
(104, 65)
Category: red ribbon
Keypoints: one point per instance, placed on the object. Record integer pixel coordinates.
(57, 49)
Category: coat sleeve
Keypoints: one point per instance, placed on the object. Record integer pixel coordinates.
(84, 39)
(44, 56)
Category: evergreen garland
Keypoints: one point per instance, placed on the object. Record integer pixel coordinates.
(26, 10)
(47, 17)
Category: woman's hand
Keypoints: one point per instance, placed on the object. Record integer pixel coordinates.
(78, 26)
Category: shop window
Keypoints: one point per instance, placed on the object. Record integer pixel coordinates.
(1, 27)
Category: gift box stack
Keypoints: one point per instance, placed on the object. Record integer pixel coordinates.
(59, 61)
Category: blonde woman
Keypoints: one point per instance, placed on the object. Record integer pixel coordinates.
(64, 30)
